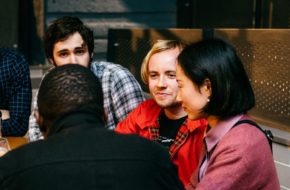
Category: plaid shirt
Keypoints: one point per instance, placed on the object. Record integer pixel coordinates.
(15, 92)
(179, 140)
(122, 93)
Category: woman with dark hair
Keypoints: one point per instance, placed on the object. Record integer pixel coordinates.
(213, 84)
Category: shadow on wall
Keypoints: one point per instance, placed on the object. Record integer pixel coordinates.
(30, 42)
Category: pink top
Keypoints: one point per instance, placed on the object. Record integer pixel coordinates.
(242, 159)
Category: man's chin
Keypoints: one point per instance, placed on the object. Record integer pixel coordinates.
(168, 104)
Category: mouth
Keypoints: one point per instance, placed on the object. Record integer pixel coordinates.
(161, 94)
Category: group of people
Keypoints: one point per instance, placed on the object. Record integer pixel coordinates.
(92, 114)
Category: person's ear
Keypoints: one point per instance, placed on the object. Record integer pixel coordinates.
(41, 123)
(105, 116)
(206, 88)
(38, 118)
(52, 61)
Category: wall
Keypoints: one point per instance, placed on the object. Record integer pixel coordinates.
(103, 14)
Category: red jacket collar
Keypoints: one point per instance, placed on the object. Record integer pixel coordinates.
(152, 111)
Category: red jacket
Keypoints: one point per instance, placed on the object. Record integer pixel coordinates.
(186, 148)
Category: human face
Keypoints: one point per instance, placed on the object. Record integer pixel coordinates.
(72, 50)
(193, 98)
(162, 78)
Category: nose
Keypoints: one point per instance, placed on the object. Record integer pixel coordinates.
(178, 97)
(73, 59)
(161, 81)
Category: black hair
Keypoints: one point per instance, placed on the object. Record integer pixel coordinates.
(64, 27)
(68, 88)
(216, 60)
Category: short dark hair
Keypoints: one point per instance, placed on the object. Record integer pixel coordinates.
(69, 88)
(216, 60)
(62, 28)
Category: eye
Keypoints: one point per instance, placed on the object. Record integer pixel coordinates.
(171, 75)
(80, 52)
(153, 75)
(63, 54)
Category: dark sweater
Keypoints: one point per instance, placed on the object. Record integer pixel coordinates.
(80, 154)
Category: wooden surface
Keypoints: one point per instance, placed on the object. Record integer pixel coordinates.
(15, 142)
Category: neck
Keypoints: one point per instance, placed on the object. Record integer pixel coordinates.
(212, 121)
(174, 113)
(75, 118)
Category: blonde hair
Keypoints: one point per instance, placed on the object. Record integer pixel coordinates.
(159, 46)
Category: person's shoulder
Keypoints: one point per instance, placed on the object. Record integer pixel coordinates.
(10, 52)
(112, 68)
(246, 131)
(149, 104)
(105, 64)
(147, 112)
(246, 139)
(16, 159)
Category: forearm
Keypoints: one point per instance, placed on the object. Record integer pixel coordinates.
(15, 126)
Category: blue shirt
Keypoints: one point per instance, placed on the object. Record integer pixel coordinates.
(15, 92)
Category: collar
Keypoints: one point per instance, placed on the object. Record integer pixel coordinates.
(216, 134)
(194, 124)
(74, 119)
(149, 113)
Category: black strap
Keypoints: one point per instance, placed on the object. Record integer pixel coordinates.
(267, 133)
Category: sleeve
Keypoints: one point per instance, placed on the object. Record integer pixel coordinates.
(20, 98)
(126, 93)
(129, 124)
(34, 133)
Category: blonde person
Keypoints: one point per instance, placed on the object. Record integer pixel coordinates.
(162, 118)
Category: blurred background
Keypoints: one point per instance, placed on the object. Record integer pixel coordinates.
(23, 22)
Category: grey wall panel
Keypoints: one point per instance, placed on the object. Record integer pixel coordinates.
(101, 15)
(110, 6)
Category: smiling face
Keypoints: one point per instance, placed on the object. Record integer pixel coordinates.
(193, 98)
(162, 78)
(72, 50)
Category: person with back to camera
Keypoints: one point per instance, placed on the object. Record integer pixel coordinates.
(213, 84)
(15, 92)
(162, 119)
(78, 152)
(68, 40)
